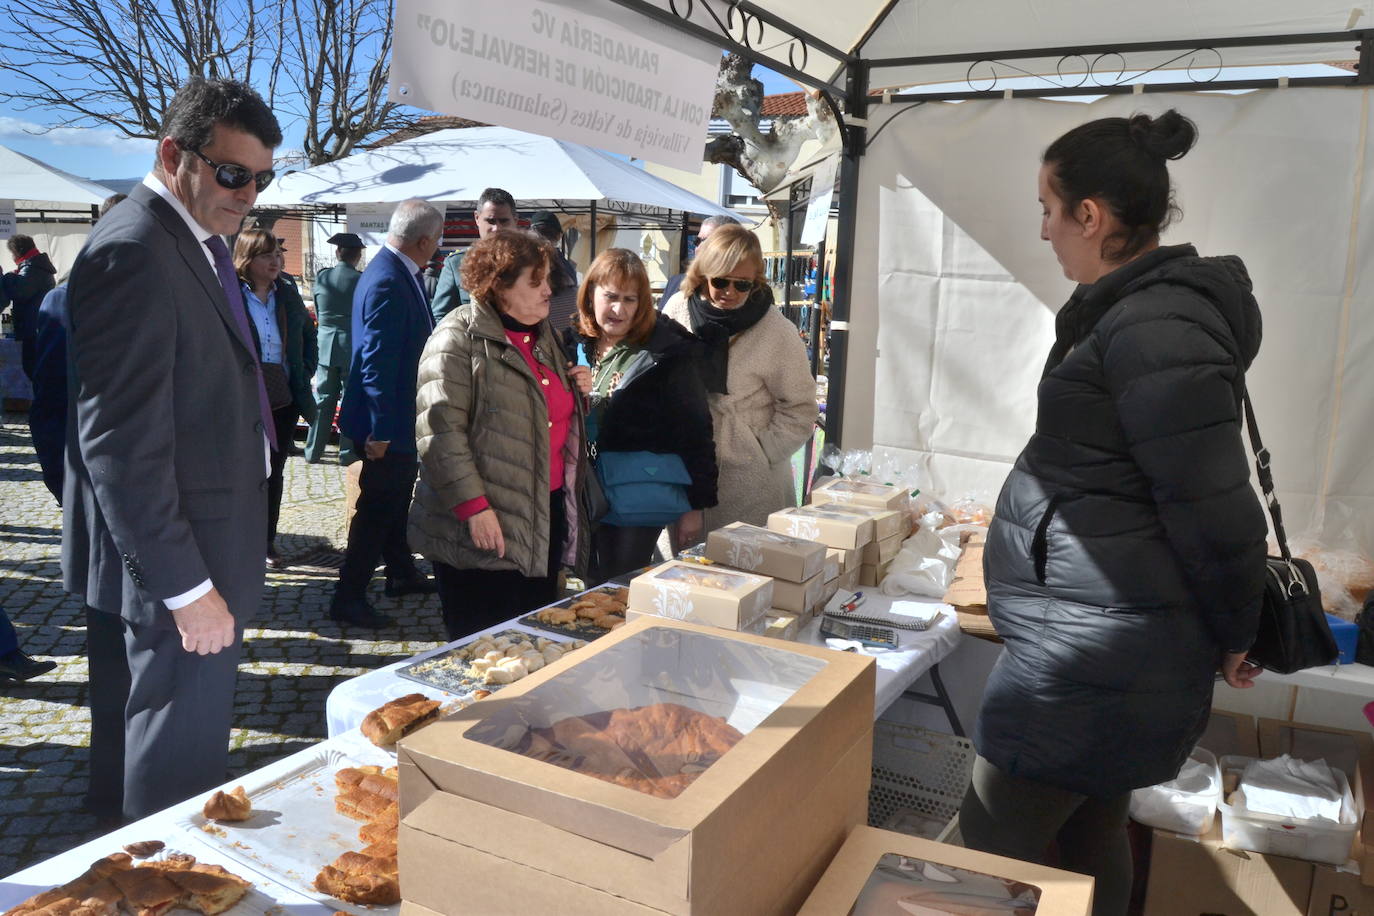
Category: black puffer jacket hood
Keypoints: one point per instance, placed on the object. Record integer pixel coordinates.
(1127, 549)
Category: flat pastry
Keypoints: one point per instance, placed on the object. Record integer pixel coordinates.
(150, 889)
(386, 724)
(228, 806)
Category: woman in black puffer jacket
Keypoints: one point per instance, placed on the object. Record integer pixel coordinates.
(1125, 563)
(647, 396)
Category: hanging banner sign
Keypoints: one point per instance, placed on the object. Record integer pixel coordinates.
(9, 225)
(818, 208)
(563, 70)
(370, 222)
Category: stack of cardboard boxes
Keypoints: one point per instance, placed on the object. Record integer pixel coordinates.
(1200, 875)
(885, 505)
(803, 573)
(486, 829)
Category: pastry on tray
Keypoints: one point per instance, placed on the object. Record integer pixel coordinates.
(228, 806)
(369, 876)
(386, 724)
(150, 889)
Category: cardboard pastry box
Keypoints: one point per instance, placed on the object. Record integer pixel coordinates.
(837, 561)
(879, 872)
(799, 597)
(879, 552)
(768, 553)
(835, 526)
(499, 817)
(782, 625)
(859, 493)
(702, 594)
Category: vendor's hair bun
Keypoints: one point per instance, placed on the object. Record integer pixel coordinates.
(1168, 136)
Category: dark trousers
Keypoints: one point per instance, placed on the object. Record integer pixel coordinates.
(9, 640)
(1015, 817)
(160, 716)
(378, 531)
(284, 420)
(474, 599)
(619, 550)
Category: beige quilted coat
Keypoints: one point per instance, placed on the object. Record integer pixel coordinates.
(481, 427)
(769, 413)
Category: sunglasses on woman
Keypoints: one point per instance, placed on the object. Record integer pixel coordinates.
(232, 176)
(741, 286)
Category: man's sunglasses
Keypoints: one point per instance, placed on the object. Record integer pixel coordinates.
(741, 286)
(231, 176)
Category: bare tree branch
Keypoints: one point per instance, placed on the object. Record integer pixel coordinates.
(322, 65)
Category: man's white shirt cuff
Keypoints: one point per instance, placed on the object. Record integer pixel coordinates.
(186, 598)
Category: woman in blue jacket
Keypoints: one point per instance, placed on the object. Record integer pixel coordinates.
(1125, 562)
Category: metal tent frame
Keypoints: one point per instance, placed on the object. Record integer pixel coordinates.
(753, 32)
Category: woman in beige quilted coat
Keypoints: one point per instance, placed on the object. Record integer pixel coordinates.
(499, 427)
(761, 392)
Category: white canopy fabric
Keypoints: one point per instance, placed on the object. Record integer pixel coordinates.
(458, 164)
(957, 293)
(25, 178)
(931, 27)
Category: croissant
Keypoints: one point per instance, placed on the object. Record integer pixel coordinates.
(386, 724)
(232, 806)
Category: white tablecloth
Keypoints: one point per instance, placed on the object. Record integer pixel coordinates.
(164, 826)
(898, 668)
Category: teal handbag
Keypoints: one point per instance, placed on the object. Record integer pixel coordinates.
(644, 489)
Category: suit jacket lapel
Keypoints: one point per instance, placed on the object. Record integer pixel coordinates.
(192, 252)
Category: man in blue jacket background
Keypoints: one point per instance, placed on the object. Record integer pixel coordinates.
(391, 322)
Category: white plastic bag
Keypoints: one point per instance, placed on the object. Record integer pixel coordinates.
(924, 565)
(1186, 803)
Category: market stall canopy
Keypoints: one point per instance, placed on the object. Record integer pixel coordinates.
(23, 178)
(897, 29)
(458, 164)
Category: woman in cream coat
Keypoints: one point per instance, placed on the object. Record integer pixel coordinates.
(762, 395)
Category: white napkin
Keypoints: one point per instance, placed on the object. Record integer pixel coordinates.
(1289, 787)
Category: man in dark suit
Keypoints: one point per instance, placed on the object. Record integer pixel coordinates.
(165, 497)
(391, 322)
(334, 288)
(495, 210)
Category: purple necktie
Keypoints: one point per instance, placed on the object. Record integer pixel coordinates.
(224, 266)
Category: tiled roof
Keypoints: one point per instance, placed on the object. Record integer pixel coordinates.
(784, 104)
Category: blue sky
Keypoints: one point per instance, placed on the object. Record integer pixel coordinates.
(101, 152)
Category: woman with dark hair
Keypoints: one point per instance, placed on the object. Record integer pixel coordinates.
(754, 366)
(287, 348)
(25, 286)
(499, 428)
(1125, 562)
(647, 397)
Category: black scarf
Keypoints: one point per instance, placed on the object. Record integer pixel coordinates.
(1089, 302)
(716, 326)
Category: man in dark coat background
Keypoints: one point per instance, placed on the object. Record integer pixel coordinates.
(165, 497)
(25, 287)
(334, 287)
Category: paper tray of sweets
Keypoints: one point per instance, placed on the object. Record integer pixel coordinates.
(295, 829)
(467, 670)
(574, 617)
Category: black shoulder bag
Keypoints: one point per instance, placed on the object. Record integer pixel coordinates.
(1293, 633)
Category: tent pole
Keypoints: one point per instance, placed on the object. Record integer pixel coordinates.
(591, 237)
(856, 105)
(682, 247)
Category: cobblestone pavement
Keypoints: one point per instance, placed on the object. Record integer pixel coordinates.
(291, 661)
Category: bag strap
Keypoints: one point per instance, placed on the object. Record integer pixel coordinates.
(1265, 474)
